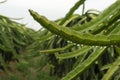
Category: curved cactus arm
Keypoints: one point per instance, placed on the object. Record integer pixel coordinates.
(106, 24)
(116, 29)
(57, 49)
(104, 17)
(70, 19)
(75, 53)
(74, 36)
(113, 29)
(68, 15)
(112, 70)
(86, 64)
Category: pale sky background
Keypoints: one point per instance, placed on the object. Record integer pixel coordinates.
(52, 9)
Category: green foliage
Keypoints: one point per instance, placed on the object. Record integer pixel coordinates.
(75, 36)
(83, 66)
(76, 47)
(113, 68)
(19, 57)
(14, 38)
(100, 33)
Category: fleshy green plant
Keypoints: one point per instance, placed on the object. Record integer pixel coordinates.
(77, 47)
(97, 44)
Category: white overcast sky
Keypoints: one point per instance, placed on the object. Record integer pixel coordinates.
(52, 9)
